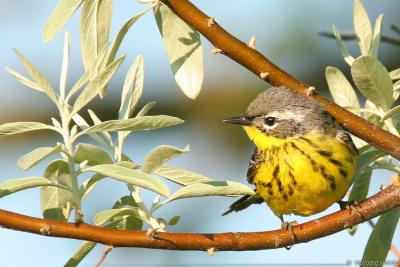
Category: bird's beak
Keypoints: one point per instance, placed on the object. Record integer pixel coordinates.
(241, 120)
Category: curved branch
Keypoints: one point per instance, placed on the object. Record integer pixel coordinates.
(261, 66)
(380, 203)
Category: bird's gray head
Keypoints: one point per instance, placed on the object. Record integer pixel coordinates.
(282, 112)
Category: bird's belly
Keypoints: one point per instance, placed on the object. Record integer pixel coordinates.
(298, 179)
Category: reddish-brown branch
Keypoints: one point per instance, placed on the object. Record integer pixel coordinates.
(257, 63)
(327, 225)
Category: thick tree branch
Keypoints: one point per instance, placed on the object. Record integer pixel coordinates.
(374, 206)
(258, 64)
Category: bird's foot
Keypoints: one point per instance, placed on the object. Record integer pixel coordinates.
(288, 226)
(350, 206)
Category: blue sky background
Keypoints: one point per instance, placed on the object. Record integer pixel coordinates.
(286, 32)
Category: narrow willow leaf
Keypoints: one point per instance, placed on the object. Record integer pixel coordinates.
(89, 184)
(366, 158)
(214, 188)
(36, 156)
(341, 89)
(146, 109)
(127, 222)
(184, 50)
(342, 48)
(15, 185)
(396, 90)
(373, 81)
(181, 176)
(380, 240)
(25, 81)
(38, 77)
(57, 203)
(84, 125)
(78, 84)
(83, 250)
(94, 86)
(135, 124)
(22, 127)
(395, 74)
(362, 27)
(360, 187)
(94, 29)
(122, 32)
(174, 220)
(105, 216)
(391, 113)
(132, 177)
(65, 63)
(105, 135)
(132, 90)
(159, 155)
(377, 36)
(61, 14)
(92, 154)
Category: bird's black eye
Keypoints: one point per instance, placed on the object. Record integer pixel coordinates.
(270, 121)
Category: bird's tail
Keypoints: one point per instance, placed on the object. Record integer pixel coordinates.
(244, 202)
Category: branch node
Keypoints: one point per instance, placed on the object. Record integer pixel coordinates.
(310, 91)
(152, 233)
(215, 51)
(252, 42)
(45, 230)
(211, 251)
(211, 22)
(264, 75)
(79, 216)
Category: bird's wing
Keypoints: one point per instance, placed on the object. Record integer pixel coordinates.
(345, 137)
(254, 163)
(243, 203)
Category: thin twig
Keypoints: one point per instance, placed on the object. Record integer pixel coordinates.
(352, 36)
(106, 251)
(257, 63)
(376, 205)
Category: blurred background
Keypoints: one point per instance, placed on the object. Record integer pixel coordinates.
(287, 33)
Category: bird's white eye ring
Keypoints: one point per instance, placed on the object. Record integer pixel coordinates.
(270, 121)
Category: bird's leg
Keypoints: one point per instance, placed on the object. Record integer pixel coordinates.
(288, 226)
(350, 206)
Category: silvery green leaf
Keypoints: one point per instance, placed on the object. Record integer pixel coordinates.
(121, 34)
(184, 50)
(360, 187)
(391, 113)
(373, 81)
(105, 135)
(214, 188)
(341, 89)
(127, 222)
(362, 27)
(65, 63)
(146, 109)
(94, 86)
(57, 203)
(132, 90)
(377, 36)
(25, 81)
(395, 74)
(89, 184)
(38, 77)
(380, 240)
(15, 185)
(342, 48)
(174, 220)
(92, 154)
(105, 216)
(78, 84)
(366, 158)
(181, 176)
(159, 155)
(135, 124)
(396, 90)
(37, 155)
(22, 127)
(84, 125)
(94, 29)
(132, 177)
(61, 14)
(83, 250)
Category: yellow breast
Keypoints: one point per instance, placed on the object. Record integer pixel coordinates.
(303, 175)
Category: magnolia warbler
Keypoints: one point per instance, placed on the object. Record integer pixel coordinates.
(304, 160)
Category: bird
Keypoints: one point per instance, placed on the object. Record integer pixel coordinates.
(304, 160)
